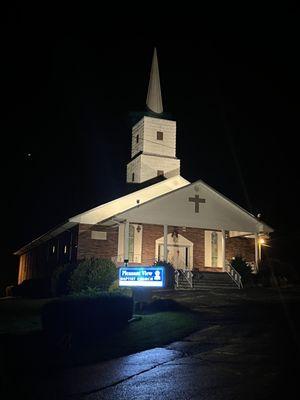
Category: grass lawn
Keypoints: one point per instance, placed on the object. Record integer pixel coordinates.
(24, 344)
(152, 330)
(19, 316)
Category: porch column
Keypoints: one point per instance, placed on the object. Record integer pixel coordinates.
(223, 249)
(126, 242)
(165, 242)
(257, 258)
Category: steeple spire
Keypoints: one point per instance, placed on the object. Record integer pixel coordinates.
(154, 101)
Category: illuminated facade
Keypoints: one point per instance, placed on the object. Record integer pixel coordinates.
(188, 224)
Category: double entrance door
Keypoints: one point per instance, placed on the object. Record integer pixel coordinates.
(178, 255)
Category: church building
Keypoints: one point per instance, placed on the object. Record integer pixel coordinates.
(190, 225)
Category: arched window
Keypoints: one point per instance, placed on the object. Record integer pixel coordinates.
(214, 249)
(131, 243)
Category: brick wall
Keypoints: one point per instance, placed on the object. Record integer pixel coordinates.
(150, 234)
(240, 246)
(88, 247)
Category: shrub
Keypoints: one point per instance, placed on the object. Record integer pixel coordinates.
(60, 279)
(85, 317)
(169, 273)
(244, 269)
(115, 288)
(33, 288)
(93, 273)
(160, 305)
(89, 292)
(273, 272)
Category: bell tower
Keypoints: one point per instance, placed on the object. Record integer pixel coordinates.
(153, 143)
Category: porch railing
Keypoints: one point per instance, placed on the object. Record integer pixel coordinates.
(187, 275)
(234, 275)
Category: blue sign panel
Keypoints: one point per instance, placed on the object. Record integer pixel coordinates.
(142, 276)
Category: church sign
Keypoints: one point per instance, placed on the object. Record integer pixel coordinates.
(142, 276)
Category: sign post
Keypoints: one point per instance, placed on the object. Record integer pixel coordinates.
(142, 280)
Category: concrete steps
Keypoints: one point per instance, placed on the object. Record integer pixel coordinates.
(207, 281)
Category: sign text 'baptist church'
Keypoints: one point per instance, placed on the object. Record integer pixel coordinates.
(141, 276)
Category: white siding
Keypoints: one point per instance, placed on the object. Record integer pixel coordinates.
(165, 147)
(138, 129)
(156, 155)
(151, 164)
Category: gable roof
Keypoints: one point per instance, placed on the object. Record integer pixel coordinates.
(166, 202)
(175, 208)
(108, 210)
(139, 197)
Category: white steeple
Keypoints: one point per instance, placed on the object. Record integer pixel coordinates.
(153, 143)
(154, 101)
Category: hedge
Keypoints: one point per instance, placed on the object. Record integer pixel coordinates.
(93, 273)
(33, 288)
(60, 279)
(85, 317)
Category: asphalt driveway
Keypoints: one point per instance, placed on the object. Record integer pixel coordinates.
(248, 348)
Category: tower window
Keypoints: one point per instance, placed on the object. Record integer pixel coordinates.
(160, 172)
(132, 178)
(159, 135)
(137, 138)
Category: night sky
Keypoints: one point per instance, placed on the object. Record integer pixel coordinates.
(69, 86)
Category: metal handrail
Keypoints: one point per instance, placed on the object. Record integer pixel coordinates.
(176, 277)
(187, 274)
(234, 275)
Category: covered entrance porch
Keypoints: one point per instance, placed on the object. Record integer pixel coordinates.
(198, 229)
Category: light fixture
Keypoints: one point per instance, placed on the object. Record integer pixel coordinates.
(175, 235)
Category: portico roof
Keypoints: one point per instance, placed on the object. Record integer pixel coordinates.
(195, 205)
(124, 203)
